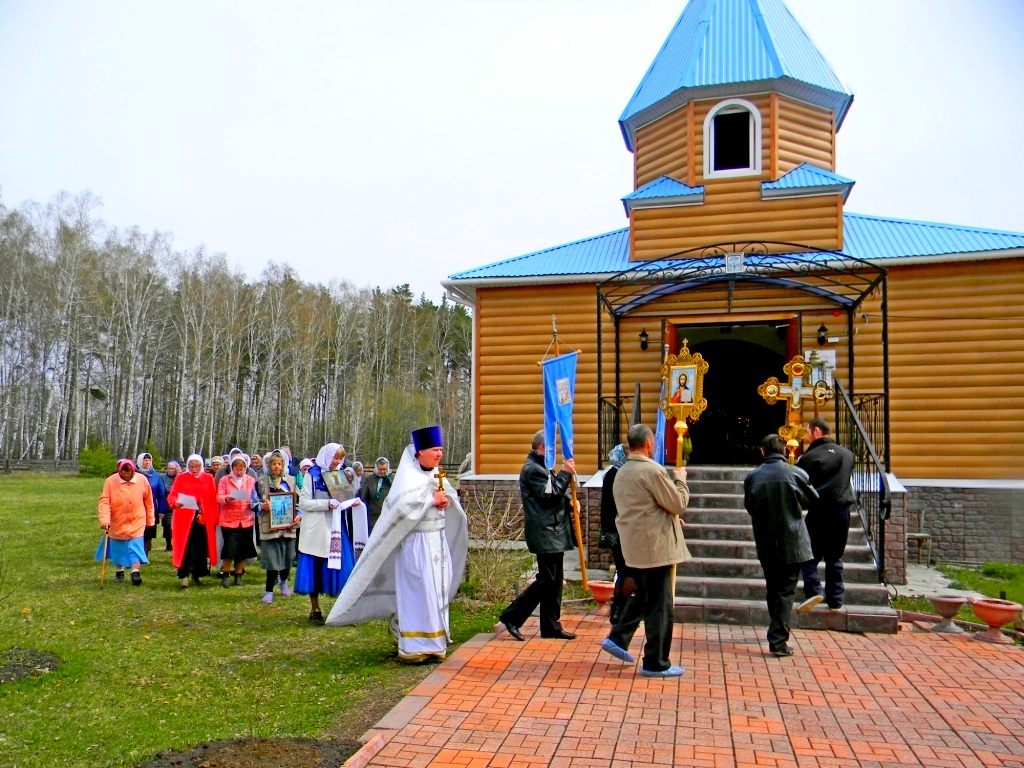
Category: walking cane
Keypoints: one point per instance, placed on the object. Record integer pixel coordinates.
(103, 564)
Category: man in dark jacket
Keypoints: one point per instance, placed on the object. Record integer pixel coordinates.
(829, 466)
(375, 489)
(775, 494)
(547, 518)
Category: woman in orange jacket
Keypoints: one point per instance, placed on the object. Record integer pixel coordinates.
(125, 509)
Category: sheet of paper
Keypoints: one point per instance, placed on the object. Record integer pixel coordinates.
(240, 495)
(188, 502)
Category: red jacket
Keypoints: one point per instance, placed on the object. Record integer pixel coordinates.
(205, 493)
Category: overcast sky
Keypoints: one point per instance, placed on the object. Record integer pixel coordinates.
(392, 142)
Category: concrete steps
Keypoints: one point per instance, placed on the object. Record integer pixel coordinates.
(724, 583)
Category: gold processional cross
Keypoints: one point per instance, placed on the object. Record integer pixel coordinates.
(793, 392)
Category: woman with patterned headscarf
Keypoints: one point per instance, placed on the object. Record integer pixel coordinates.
(277, 547)
(236, 496)
(608, 538)
(193, 531)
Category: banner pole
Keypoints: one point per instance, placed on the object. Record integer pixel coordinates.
(575, 500)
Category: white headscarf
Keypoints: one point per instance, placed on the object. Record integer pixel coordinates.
(195, 457)
(138, 463)
(326, 455)
(238, 482)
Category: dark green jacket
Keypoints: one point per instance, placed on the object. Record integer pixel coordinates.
(775, 494)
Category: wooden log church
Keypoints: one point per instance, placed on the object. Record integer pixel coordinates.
(740, 241)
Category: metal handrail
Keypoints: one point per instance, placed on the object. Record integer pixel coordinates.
(870, 480)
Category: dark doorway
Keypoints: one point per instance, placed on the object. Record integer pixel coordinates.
(740, 358)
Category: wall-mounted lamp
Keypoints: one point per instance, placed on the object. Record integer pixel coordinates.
(643, 338)
(822, 335)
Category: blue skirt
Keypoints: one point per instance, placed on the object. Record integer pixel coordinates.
(124, 552)
(312, 576)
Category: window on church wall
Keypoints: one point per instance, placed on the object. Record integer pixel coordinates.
(732, 140)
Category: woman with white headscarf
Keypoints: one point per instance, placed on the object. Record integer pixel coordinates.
(357, 472)
(193, 531)
(325, 550)
(236, 496)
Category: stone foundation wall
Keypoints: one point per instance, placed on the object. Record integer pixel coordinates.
(969, 525)
(896, 544)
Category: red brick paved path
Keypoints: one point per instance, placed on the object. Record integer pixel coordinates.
(843, 700)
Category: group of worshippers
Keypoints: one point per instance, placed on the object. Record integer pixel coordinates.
(386, 547)
(642, 506)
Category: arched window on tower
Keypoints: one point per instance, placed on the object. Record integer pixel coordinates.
(732, 140)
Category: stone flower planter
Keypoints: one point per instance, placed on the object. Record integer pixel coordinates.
(947, 607)
(995, 613)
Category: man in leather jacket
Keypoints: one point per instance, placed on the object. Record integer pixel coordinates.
(829, 466)
(775, 494)
(547, 518)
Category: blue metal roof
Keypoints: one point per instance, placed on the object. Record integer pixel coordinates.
(806, 177)
(864, 237)
(719, 43)
(663, 191)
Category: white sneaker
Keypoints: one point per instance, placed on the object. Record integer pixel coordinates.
(807, 605)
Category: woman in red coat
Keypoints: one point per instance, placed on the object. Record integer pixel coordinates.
(193, 531)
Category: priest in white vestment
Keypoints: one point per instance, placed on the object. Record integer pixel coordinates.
(414, 559)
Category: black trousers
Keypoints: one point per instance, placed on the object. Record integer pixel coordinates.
(780, 581)
(651, 602)
(829, 532)
(546, 592)
(625, 582)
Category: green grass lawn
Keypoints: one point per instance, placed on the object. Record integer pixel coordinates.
(153, 668)
(990, 579)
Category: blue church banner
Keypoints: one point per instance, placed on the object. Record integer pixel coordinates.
(559, 374)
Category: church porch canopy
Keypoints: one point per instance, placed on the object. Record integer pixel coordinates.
(834, 279)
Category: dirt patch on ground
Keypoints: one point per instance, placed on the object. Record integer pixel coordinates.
(340, 740)
(258, 753)
(17, 663)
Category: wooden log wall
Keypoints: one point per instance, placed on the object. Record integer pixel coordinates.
(662, 149)
(514, 332)
(956, 362)
(805, 135)
(792, 133)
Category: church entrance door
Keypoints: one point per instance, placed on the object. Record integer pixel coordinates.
(740, 357)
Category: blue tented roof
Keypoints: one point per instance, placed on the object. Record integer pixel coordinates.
(864, 237)
(716, 44)
(806, 177)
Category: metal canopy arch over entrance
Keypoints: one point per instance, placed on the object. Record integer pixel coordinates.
(837, 278)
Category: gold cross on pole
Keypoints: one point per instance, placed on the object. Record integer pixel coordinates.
(793, 390)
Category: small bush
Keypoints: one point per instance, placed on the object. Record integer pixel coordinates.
(97, 460)
(1003, 571)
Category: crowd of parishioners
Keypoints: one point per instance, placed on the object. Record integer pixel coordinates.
(219, 510)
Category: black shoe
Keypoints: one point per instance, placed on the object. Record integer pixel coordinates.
(782, 652)
(237, 581)
(225, 580)
(119, 576)
(136, 579)
(316, 618)
(513, 630)
(560, 635)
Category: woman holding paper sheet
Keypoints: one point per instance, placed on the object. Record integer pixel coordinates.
(236, 497)
(193, 497)
(326, 557)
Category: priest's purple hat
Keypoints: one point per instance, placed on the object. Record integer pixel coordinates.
(427, 437)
